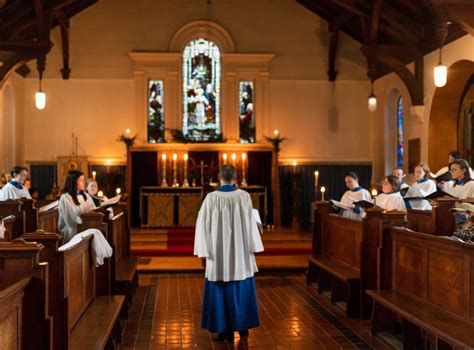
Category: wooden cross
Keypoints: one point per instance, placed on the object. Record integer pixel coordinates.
(202, 166)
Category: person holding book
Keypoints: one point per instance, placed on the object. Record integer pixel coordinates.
(400, 174)
(390, 198)
(92, 187)
(15, 188)
(355, 193)
(463, 186)
(421, 188)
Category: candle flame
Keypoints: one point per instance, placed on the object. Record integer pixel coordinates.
(316, 173)
(295, 163)
(127, 131)
(374, 192)
(118, 190)
(323, 189)
(234, 156)
(175, 156)
(108, 162)
(163, 156)
(244, 156)
(185, 157)
(100, 194)
(276, 132)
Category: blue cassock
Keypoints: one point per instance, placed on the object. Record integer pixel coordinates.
(230, 306)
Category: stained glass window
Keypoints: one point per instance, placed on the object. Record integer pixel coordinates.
(156, 122)
(201, 91)
(400, 132)
(247, 116)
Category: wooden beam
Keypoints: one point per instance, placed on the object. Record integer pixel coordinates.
(332, 53)
(64, 28)
(375, 20)
(25, 46)
(39, 18)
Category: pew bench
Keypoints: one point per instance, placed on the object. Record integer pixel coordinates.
(443, 325)
(342, 280)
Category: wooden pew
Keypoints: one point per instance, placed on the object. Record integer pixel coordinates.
(48, 221)
(25, 215)
(24, 319)
(344, 259)
(428, 283)
(8, 223)
(439, 221)
(82, 318)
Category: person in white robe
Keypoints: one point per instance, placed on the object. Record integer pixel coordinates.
(355, 193)
(390, 199)
(15, 188)
(463, 186)
(400, 174)
(453, 156)
(421, 188)
(227, 236)
(72, 204)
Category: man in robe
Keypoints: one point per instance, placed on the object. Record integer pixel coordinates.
(227, 236)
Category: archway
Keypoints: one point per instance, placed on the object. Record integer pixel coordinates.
(390, 136)
(443, 127)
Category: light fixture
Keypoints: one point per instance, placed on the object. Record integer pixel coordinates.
(40, 97)
(440, 72)
(372, 99)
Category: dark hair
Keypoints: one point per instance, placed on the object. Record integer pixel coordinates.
(70, 186)
(227, 173)
(456, 155)
(394, 181)
(33, 190)
(16, 170)
(399, 168)
(352, 174)
(426, 169)
(464, 165)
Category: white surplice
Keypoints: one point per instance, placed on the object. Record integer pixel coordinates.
(461, 191)
(70, 214)
(227, 236)
(101, 249)
(391, 201)
(349, 197)
(9, 191)
(421, 189)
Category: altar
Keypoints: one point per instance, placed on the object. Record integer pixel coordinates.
(179, 206)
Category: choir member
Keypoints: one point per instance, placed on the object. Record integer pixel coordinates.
(390, 198)
(355, 193)
(15, 188)
(463, 186)
(92, 187)
(421, 188)
(400, 174)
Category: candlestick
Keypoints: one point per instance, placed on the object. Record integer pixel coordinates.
(94, 174)
(323, 190)
(316, 178)
(374, 195)
(224, 157)
(163, 159)
(244, 180)
(185, 181)
(175, 170)
(234, 157)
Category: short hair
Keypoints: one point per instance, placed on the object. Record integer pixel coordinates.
(16, 170)
(394, 181)
(425, 168)
(399, 168)
(352, 174)
(464, 165)
(456, 155)
(227, 173)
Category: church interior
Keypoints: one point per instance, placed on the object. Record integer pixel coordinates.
(348, 123)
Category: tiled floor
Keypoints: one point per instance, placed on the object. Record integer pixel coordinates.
(167, 308)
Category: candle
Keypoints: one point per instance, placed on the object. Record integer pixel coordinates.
(127, 131)
(234, 157)
(244, 157)
(175, 157)
(175, 170)
(118, 190)
(185, 181)
(323, 190)
(276, 133)
(316, 178)
(185, 157)
(108, 162)
(374, 195)
(224, 156)
(163, 157)
(244, 180)
(294, 163)
(94, 174)
(164, 183)
(100, 194)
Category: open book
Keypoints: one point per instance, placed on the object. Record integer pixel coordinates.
(256, 216)
(50, 206)
(110, 202)
(340, 204)
(434, 195)
(365, 204)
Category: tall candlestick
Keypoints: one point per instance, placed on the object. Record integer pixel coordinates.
(163, 159)
(374, 196)
(185, 181)
(234, 157)
(244, 180)
(323, 190)
(175, 170)
(224, 157)
(316, 178)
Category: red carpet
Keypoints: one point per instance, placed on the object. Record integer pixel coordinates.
(181, 243)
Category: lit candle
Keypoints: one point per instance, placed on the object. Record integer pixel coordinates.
(175, 170)
(118, 190)
(185, 181)
(294, 163)
(108, 162)
(127, 131)
(185, 157)
(164, 183)
(100, 194)
(244, 180)
(234, 157)
(323, 190)
(163, 157)
(244, 157)
(374, 195)
(94, 174)
(175, 158)
(316, 178)
(224, 157)
(276, 133)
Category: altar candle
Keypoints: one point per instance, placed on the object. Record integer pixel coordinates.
(323, 190)
(234, 157)
(94, 174)
(175, 159)
(224, 156)
(118, 190)
(244, 157)
(374, 195)
(163, 157)
(108, 162)
(127, 131)
(185, 157)
(316, 178)
(294, 163)
(276, 133)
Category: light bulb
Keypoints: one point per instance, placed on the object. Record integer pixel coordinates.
(372, 103)
(40, 100)
(440, 75)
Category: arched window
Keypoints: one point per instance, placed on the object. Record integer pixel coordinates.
(201, 91)
(400, 132)
(156, 122)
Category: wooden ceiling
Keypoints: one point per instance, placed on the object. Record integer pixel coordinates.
(25, 27)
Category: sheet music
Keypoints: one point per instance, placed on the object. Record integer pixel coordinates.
(340, 205)
(111, 201)
(49, 206)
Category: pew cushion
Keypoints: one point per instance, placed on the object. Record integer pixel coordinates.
(95, 326)
(429, 317)
(337, 269)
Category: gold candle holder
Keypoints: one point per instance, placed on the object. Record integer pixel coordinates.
(164, 183)
(185, 181)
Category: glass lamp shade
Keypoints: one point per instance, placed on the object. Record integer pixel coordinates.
(440, 75)
(40, 100)
(372, 103)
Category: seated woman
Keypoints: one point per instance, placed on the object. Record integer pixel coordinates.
(355, 194)
(391, 199)
(463, 186)
(92, 187)
(15, 188)
(72, 204)
(400, 174)
(421, 188)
